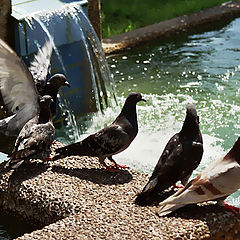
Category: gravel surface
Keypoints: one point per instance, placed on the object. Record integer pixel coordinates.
(76, 198)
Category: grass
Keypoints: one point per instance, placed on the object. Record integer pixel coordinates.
(120, 16)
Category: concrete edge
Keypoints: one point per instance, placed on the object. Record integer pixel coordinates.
(170, 28)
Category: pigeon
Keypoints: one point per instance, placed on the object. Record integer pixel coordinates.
(180, 157)
(35, 138)
(217, 181)
(52, 87)
(18, 88)
(110, 140)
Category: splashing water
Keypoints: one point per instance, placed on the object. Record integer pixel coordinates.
(200, 68)
(77, 54)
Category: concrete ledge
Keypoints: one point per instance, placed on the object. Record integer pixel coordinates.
(74, 198)
(170, 28)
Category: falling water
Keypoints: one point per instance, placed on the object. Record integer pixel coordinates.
(66, 111)
(70, 26)
(99, 65)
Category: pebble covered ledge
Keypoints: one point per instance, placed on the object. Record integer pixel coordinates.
(75, 198)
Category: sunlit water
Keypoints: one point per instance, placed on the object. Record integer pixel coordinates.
(200, 68)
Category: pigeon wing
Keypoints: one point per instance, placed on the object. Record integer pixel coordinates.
(40, 66)
(17, 88)
(163, 163)
(178, 159)
(108, 141)
(35, 141)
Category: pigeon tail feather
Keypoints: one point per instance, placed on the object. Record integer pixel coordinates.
(13, 164)
(144, 198)
(164, 210)
(72, 149)
(147, 193)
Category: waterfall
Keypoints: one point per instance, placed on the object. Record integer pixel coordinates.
(77, 54)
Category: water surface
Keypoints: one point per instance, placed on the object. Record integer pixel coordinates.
(201, 68)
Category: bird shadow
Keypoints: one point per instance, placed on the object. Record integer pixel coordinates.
(25, 171)
(97, 175)
(198, 212)
(154, 199)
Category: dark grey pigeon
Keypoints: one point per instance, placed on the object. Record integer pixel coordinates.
(110, 140)
(18, 88)
(180, 157)
(35, 138)
(52, 87)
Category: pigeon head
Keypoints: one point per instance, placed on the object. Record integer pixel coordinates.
(45, 101)
(58, 80)
(134, 98)
(44, 105)
(191, 122)
(40, 85)
(129, 107)
(192, 112)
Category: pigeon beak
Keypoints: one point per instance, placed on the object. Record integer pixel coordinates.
(143, 100)
(67, 84)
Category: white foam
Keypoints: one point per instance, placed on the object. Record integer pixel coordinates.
(145, 150)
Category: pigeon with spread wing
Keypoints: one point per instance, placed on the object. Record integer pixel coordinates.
(18, 86)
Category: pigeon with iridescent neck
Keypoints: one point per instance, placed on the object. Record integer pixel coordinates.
(110, 140)
(180, 157)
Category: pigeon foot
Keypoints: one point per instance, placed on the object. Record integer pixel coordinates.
(47, 159)
(234, 209)
(177, 186)
(122, 166)
(117, 166)
(112, 169)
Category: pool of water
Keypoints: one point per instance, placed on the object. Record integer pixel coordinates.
(200, 68)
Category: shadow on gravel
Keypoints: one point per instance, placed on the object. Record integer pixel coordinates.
(25, 171)
(97, 175)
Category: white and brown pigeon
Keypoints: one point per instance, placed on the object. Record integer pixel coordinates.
(110, 140)
(180, 157)
(18, 87)
(217, 181)
(35, 138)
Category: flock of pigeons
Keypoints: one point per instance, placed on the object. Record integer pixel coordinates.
(29, 99)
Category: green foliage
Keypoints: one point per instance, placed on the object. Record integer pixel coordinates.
(120, 16)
